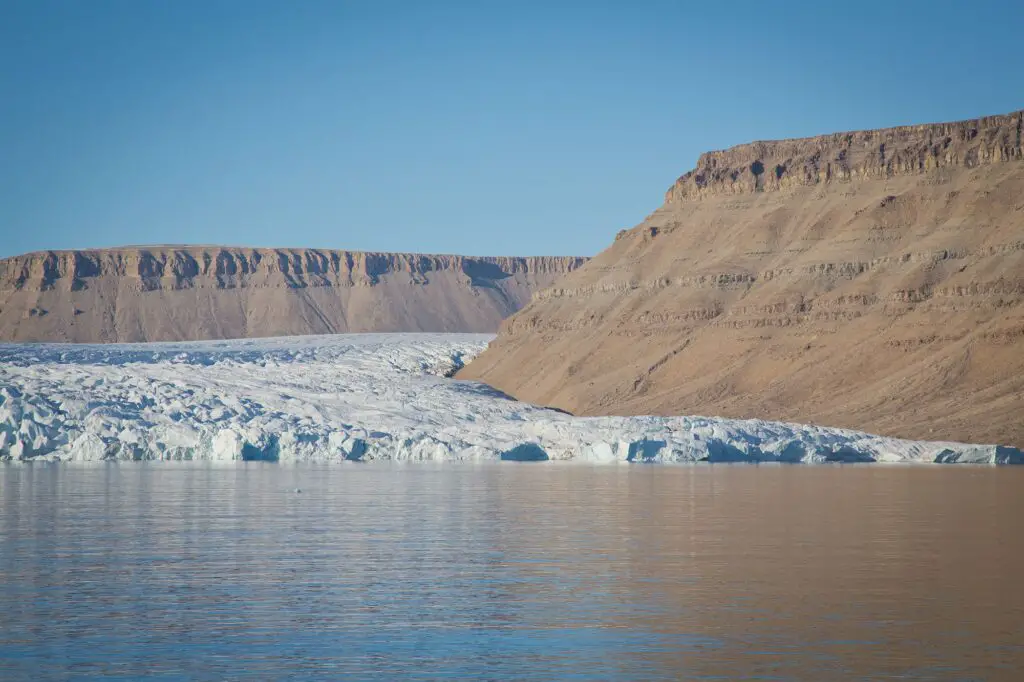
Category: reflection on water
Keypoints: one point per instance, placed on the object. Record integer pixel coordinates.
(511, 571)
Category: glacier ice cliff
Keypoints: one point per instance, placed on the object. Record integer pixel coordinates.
(363, 397)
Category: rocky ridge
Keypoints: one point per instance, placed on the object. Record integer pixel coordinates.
(187, 293)
(846, 157)
(869, 280)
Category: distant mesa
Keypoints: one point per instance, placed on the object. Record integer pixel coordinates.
(172, 293)
(871, 280)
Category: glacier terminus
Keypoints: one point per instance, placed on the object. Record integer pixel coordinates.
(363, 397)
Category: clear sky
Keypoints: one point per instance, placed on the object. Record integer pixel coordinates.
(477, 127)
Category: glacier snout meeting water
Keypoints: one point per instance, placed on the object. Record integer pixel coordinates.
(362, 397)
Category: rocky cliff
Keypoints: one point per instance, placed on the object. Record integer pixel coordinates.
(848, 157)
(871, 280)
(180, 293)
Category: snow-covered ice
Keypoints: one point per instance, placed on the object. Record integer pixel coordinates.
(362, 397)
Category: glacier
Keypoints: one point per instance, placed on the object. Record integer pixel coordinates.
(363, 397)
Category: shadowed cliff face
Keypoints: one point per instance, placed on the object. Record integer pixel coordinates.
(180, 293)
(870, 280)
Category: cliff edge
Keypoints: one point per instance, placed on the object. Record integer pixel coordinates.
(186, 293)
(871, 280)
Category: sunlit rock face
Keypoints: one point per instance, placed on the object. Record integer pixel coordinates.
(871, 280)
(196, 292)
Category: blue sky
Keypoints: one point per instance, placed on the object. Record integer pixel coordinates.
(460, 127)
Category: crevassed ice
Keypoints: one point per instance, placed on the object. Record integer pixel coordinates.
(361, 397)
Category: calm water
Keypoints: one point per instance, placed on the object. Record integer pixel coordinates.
(511, 571)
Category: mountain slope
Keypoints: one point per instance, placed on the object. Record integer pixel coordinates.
(189, 293)
(870, 280)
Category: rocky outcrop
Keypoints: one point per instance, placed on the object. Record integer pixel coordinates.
(846, 157)
(869, 280)
(182, 293)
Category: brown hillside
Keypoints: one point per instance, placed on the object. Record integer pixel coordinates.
(871, 280)
(183, 293)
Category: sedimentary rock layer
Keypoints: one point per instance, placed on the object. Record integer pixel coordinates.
(185, 293)
(870, 280)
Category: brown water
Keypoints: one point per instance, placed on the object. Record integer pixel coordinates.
(512, 571)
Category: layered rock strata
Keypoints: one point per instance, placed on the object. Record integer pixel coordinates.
(187, 293)
(869, 280)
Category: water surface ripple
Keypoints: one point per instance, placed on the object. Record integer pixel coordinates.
(510, 571)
